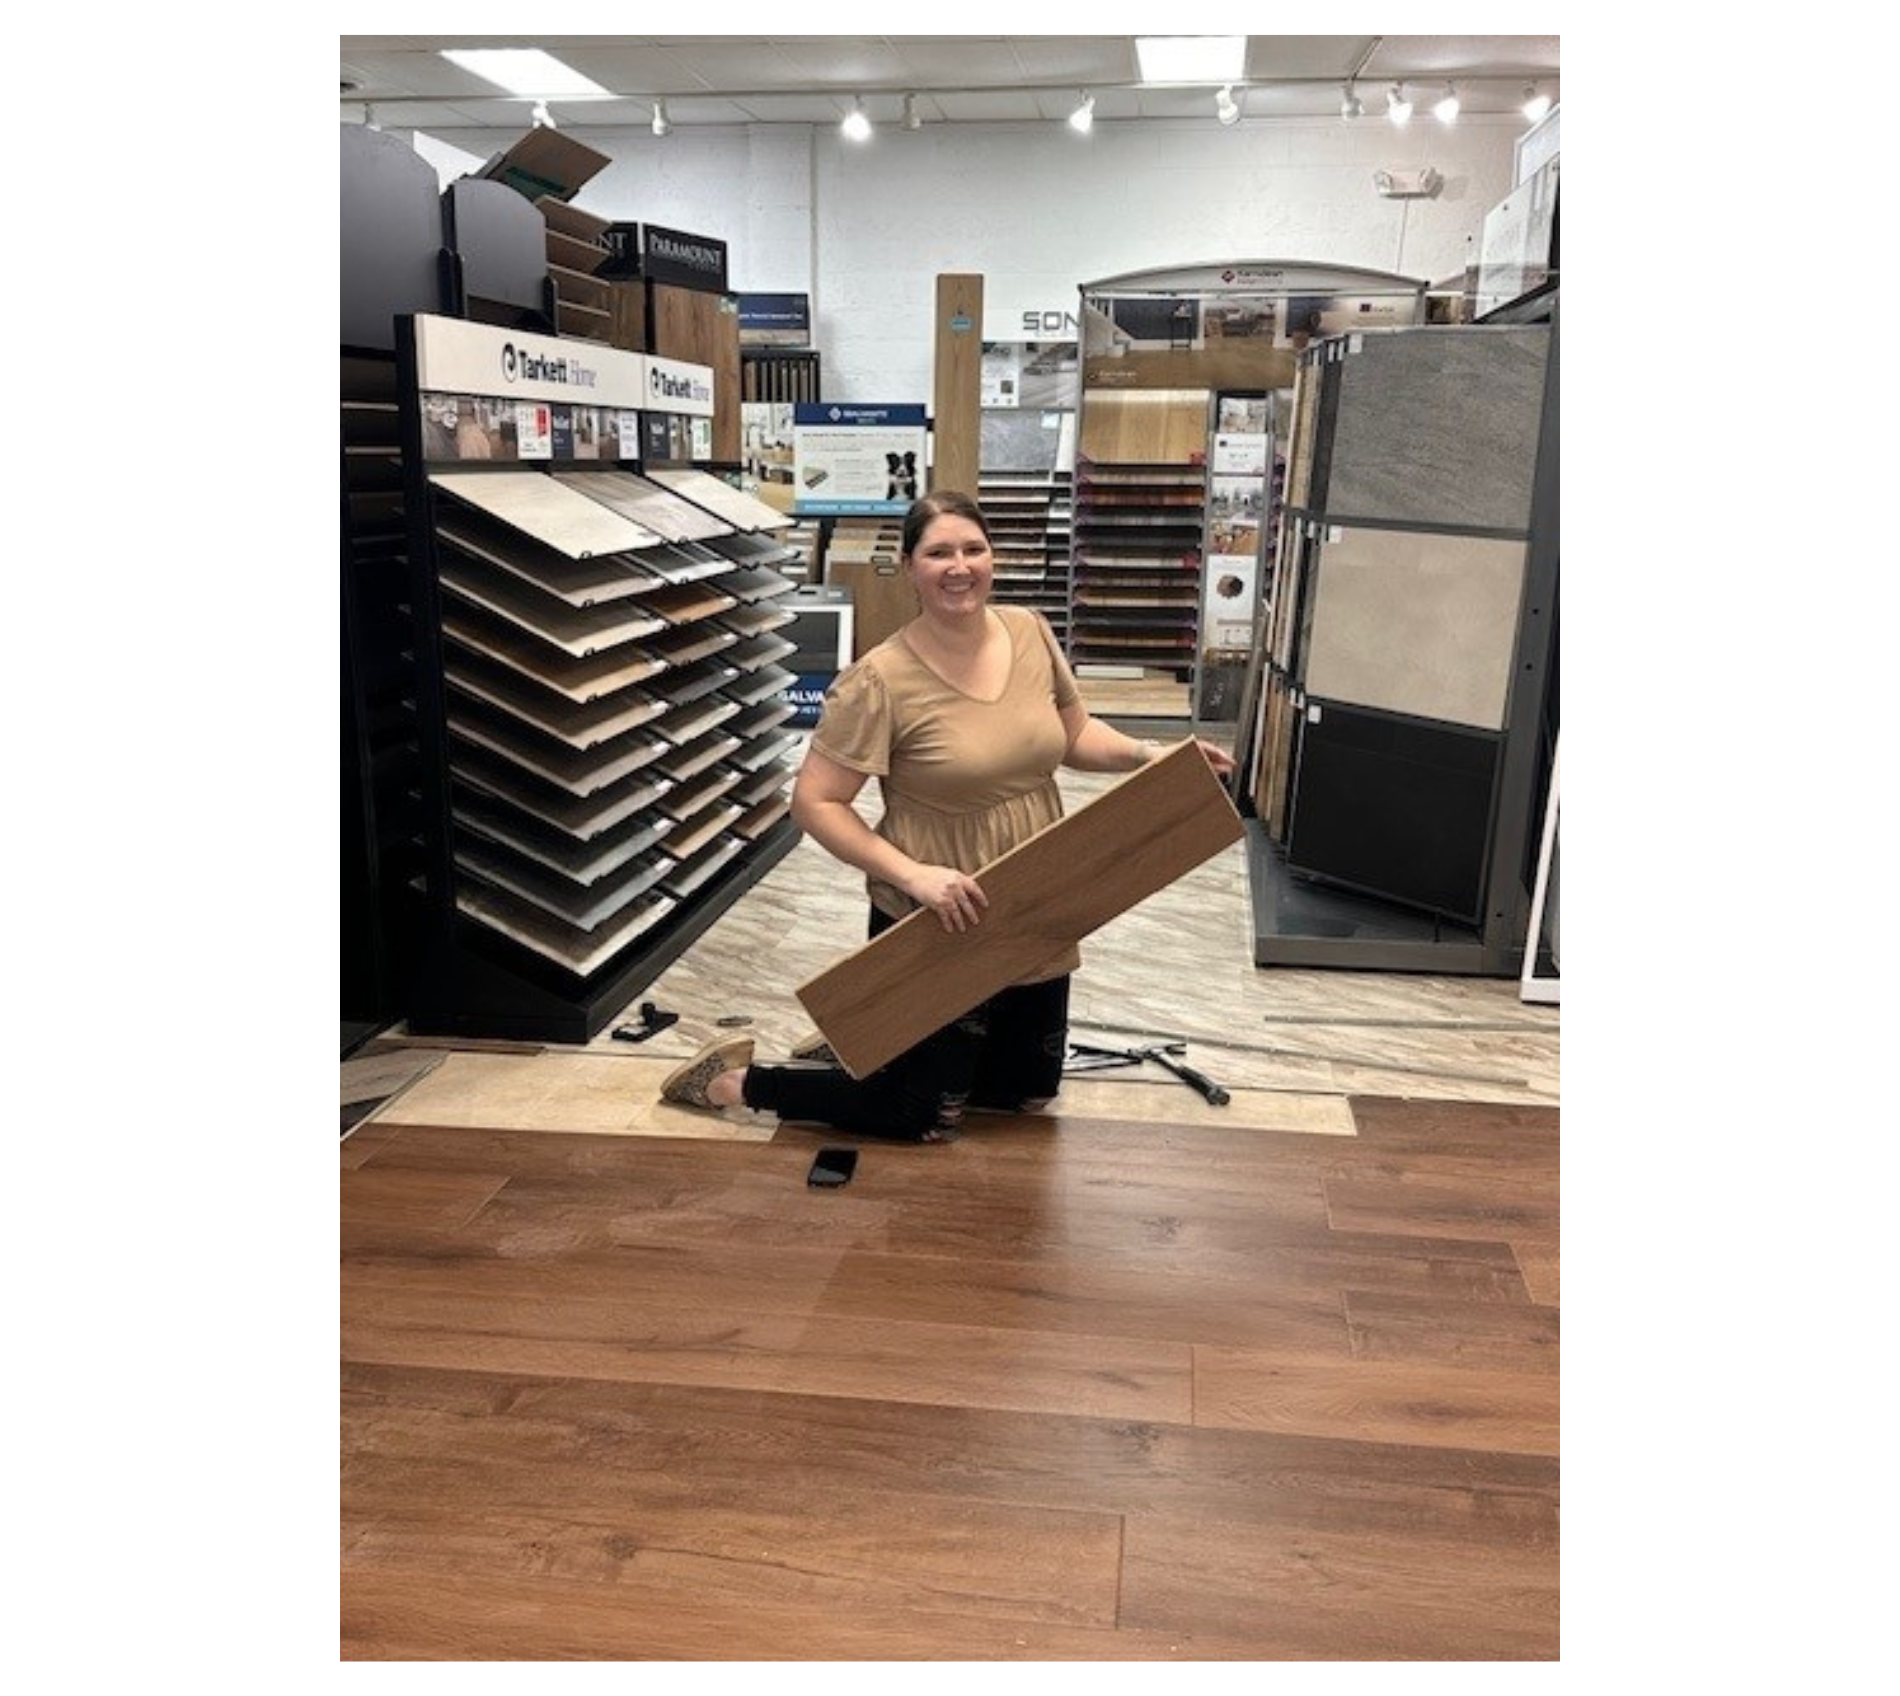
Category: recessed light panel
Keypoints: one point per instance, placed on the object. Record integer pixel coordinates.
(1191, 58)
(523, 70)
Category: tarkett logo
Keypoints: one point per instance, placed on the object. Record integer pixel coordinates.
(520, 365)
(665, 386)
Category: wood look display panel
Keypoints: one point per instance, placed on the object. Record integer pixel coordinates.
(957, 391)
(702, 328)
(1045, 895)
(1143, 426)
(535, 504)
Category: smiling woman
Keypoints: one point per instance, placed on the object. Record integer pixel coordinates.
(963, 716)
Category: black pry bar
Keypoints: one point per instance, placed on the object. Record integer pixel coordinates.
(1160, 1053)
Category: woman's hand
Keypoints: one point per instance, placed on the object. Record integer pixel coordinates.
(953, 896)
(1217, 757)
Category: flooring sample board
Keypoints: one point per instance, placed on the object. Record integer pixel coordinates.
(496, 820)
(1415, 622)
(579, 951)
(683, 562)
(1045, 895)
(724, 501)
(579, 773)
(1392, 806)
(646, 504)
(761, 651)
(693, 835)
(755, 620)
(686, 603)
(1438, 426)
(583, 906)
(580, 631)
(761, 818)
(579, 582)
(1143, 426)
(578, 726)
(755, 686)
(535, 504)
(957, 383)
(528, 656)
(588, 818)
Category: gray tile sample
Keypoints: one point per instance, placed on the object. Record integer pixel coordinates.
(646, 504)
(1416, 622)
(1438, 426)
(723, 500)
(538, 506)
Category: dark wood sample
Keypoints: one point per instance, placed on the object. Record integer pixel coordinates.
(757, 684)
(692, 719)
(695, 835)
(719, 852)
(579, 772)
(763, 816)
(580, 860)
(686, 644)
(688, 682)
(755, 620)
(760, 651)
(692, 798)
(694, 757)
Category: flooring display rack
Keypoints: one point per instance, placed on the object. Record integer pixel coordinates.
(600, 707)
(1401, 746)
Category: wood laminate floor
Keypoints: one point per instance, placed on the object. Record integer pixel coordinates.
(1133, 1380)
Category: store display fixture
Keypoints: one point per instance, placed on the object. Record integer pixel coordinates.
(597, 688)
(1407, 721)
(1026, 487)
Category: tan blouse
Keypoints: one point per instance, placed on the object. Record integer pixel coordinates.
(963, 780)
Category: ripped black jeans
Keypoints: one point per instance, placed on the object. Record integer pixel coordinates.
(1001, 1055)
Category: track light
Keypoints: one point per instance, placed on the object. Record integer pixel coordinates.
(541, 117)
(1350, 105)
(856, 125)
(369, 117)
(1224, 107)
(1446, 111)
(661, 122)
(1082, 119)
(911, 119)
(1536, 102)
(1397, 107)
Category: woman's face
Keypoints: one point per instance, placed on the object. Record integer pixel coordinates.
(952, 568)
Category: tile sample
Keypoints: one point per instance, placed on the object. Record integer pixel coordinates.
(1416, 622)
(537, 505)
(1438, 426)
(722, 500)
(646, 503)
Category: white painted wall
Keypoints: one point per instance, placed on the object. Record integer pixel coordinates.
(1036, 210)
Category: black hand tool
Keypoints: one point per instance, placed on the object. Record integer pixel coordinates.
(1161, 1054)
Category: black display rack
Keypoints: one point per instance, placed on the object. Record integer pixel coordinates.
(1391, 840)
(597, 693)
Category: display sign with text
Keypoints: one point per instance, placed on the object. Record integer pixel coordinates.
(856, 459)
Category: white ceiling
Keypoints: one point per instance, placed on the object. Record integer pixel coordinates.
(812, 79)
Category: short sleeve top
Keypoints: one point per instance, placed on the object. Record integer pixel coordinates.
(963, 780)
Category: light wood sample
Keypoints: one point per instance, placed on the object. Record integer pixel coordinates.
(719, 497)
(1143, 426)
(646, 504)
(546, 510)
(1045, 895)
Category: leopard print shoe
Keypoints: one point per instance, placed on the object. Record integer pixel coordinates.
(685, 1085)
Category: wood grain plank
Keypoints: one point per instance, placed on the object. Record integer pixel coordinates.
(1044, 895)
(1453, 1334)
(725, 1437)
(1305, 1594)
(1375, 1401)
(420, 1201)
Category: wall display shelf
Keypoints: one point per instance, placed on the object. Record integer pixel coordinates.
(1407, 715)
(1026, 487)
(600, 708)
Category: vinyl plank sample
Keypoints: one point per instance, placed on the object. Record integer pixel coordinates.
(580, 861)
(580, 631)
(580, 772)
(528, 656)
(579, 726)
(1142, 426)
(579, 582)
(1439, 426)
(580, 951)
(586, 817)
(1415, 622)
(584, 906)
(1045, 895)
(535, 504)
(647, 504)
(722, 500)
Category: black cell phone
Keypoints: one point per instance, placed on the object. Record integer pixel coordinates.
(832, 1167)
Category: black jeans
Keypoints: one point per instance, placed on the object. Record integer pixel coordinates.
(999, 1055)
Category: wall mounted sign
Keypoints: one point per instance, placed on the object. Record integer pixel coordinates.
(850, 459)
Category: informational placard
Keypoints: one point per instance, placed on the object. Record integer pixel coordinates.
(774, 320)
(849, 460)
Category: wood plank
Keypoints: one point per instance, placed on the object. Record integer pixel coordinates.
(957, 383)
(1388, 1326)
(1377, 1401)
(1046, 894)
(1300, 1594)
(419, 1201)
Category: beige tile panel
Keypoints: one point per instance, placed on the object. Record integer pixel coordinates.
(539, 507)
(1418, 623)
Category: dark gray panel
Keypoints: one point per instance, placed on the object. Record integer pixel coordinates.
(1438, 427)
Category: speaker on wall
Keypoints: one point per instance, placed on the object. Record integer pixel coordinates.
(1393, 806)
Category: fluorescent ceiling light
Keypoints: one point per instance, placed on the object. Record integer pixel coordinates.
(1191, 58)
(524, 70)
